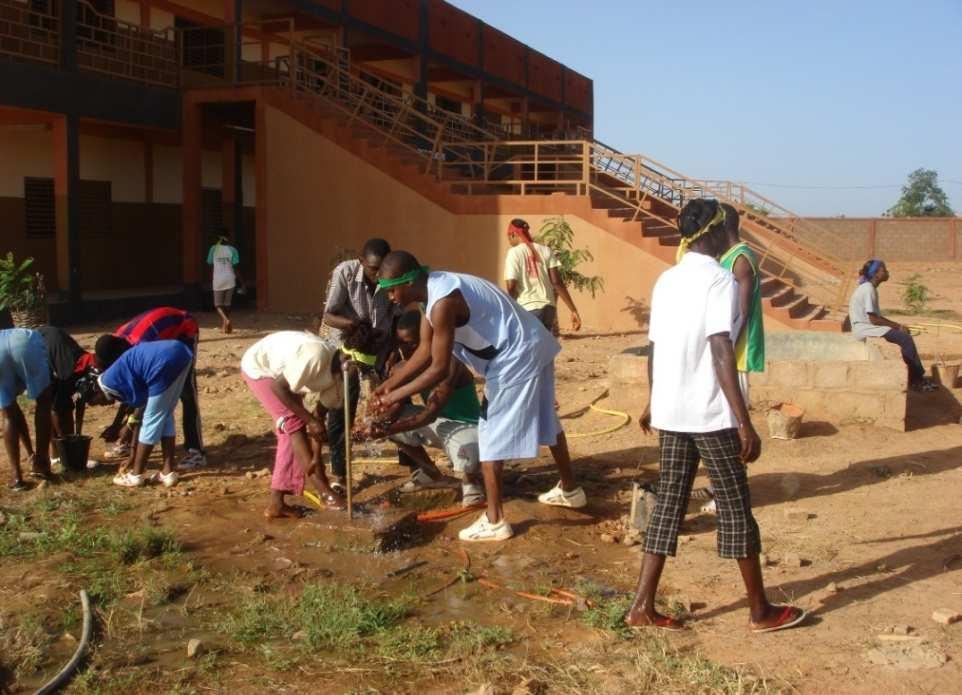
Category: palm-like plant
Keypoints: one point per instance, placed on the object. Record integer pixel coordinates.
(22, 292)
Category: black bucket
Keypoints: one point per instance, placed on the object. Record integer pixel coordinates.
(73, 451)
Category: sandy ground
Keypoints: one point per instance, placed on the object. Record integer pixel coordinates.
(860, 525)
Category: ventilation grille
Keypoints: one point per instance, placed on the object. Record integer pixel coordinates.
(41, 213)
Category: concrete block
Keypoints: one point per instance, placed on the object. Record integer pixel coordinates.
(881, 375)
(831, 375)
(854, 406)
(791, 374)
(756, 379)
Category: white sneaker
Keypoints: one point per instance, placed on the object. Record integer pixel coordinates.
(484, 530)
(129, 480)
(193, 460)
(168, 479)
(556, 497)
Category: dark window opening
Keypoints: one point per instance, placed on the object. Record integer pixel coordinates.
(40, 208)
(203, 47)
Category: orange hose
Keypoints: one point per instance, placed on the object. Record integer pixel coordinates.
(534, 597)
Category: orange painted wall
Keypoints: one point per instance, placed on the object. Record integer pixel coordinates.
(503, 56)
(453, 32)
(332, 200)
(578, 91)
(544, 75)
(401, 17)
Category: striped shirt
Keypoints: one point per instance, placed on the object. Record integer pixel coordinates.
(348, 295)
(163, 323)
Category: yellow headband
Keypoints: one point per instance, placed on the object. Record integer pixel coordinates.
(686, 241)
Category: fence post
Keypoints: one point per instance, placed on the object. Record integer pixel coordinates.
(585, 163)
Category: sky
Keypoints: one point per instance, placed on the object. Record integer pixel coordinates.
(823, 106)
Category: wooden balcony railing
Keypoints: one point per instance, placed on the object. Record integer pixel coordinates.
(27, 34)
(115, 47)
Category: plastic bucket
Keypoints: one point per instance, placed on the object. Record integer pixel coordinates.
(73, 451)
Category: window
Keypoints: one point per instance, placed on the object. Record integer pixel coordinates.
(94, 215)
(203, 47)
(40, 209)
(449, 105)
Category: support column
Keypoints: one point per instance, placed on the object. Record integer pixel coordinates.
(66, 179)
(191, 210)
(233, 39)
(229, 163)
(148, 170)
(261, 246)
(421, 86)
(68, 35)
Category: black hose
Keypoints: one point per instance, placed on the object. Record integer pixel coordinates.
(66, 673)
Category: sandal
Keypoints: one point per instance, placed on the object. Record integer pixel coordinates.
(786, 619)
(18, 486)
(662, 622)
(325, 500)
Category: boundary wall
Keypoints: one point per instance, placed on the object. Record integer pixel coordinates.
(894, 239)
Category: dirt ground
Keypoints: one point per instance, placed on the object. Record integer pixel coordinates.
(860, 525)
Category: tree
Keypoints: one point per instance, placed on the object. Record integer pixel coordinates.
(922, 197)
(558, 235)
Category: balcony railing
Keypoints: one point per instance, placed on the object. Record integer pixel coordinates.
(115, 47)
(27, 34)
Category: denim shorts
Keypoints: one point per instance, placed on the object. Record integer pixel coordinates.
(23, 365)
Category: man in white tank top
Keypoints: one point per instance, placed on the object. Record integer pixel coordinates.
(471, 319)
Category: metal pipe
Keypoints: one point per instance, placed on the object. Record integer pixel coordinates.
(348, 477)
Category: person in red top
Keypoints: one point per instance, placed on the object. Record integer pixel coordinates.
(162, 323)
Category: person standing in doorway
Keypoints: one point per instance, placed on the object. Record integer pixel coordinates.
(353, 296)
(225, 277)
(532, 276)
(700, 414)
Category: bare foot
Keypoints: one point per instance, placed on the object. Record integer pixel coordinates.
(655, 619)
(283, 512)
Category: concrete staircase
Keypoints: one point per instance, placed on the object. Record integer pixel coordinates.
(468, 169)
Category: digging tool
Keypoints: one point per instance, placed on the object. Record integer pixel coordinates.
(349, 478)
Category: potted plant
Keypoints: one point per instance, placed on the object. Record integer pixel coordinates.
(22, 293)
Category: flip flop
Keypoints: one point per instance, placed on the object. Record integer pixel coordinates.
(784, 621)
(662, 622)
(325, 501)
(18, 486)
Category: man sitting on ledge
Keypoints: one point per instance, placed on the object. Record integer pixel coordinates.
(868, 322)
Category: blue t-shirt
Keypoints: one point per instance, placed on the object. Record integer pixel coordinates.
(145, 370)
